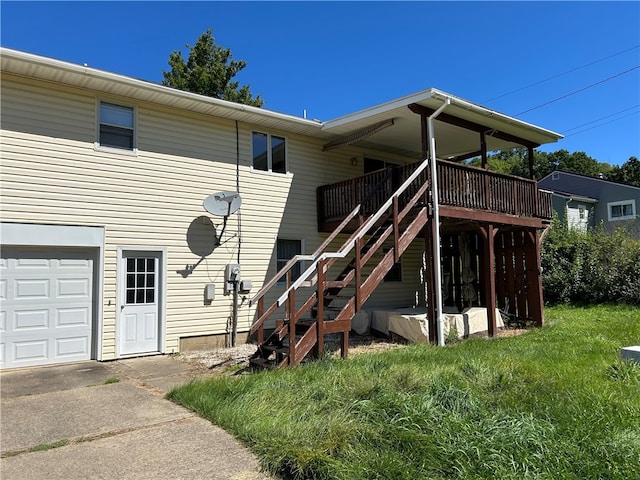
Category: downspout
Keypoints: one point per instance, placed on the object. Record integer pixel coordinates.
(436, 218)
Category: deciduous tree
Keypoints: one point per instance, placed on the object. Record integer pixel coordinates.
(628, 172)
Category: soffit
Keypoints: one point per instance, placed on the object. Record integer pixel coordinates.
(403, 137)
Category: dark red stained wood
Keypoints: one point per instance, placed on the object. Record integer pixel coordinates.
(359, 301)
(481, 216)
(396, 230)
(517, 199)
(490, 280)
(520, 281)
(534, 276)
(303, 346)
(412, 231)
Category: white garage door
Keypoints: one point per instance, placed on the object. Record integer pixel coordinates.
(45, 306)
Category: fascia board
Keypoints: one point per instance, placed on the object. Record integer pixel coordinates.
(378, 110)
(433, 98)
(58, 71)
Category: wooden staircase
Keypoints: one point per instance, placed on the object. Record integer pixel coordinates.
(299, 331)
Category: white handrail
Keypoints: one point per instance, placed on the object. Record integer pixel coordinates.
(349, 244)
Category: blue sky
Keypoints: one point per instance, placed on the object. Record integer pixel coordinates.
(334, 58)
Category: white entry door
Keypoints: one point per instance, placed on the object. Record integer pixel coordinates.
(139, 308)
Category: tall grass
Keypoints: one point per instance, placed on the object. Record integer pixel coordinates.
(554, 403)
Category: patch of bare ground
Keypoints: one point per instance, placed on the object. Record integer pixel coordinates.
(236, 359)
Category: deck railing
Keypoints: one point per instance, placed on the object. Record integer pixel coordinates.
(459, 186)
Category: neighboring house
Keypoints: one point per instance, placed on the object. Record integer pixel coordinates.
(585, 201)
(107, 251)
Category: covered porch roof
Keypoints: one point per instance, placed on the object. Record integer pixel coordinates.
(396, 127)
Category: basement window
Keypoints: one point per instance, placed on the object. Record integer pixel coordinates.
(395, 274)
(116, 126)
(285, 251)
(624, 210)
(269, 152)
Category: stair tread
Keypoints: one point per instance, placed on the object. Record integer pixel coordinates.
(276, 348)
(263, 362)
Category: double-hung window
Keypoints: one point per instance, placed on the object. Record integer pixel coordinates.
(625, 210)
(285, 251)
(269, 152)
(116, 126)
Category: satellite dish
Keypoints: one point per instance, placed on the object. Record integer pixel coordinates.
(222, 204)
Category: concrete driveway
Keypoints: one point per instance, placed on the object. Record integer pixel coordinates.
(109, 420)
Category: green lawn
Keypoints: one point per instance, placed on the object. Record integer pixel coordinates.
(555, 403)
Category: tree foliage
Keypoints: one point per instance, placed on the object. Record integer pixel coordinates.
(209, 71)
(515, 161)
(628, 172)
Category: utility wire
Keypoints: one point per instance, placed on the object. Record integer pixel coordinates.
(602, 124)
(602, 118)
(577, 91)
(560, 74)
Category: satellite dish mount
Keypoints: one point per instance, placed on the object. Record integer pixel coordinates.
(222, 204)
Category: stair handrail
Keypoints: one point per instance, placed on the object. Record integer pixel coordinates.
(287, 266)
(357, 235)
(269, 285)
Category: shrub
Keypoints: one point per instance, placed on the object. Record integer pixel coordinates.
(591, 267)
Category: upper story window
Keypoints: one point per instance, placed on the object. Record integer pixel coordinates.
(116, 128)
(269, 152)
(624, 210)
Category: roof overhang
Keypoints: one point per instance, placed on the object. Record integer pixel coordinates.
(577, 198)
(390, 127)
(80, 76)
(453, 138)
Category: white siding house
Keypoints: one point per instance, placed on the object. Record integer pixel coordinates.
(106, 248)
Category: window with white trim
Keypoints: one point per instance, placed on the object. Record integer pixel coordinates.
(286, 249)
(116, 126)
(395, 273)
(269, 152)
(624, 210)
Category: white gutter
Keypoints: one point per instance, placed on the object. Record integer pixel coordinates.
(436, 219)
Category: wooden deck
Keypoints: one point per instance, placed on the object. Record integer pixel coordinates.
(465, 193)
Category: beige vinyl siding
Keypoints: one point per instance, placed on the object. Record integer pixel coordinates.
(52, 174)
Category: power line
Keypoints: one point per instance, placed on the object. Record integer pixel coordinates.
(601, 118)
(560, 74)
(577, 91)
(602, 124)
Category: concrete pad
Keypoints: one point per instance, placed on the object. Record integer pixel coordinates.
(187, 449)
(90, 411)
(631, 354)
(31, 381)
(163, 373)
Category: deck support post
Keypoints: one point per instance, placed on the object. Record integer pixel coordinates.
(358, 274)
(488, 233)
(322, 278)
(291, 313)
(534, 277)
